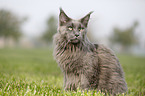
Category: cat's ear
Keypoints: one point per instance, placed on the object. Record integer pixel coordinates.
(63, 18)
(85, 19)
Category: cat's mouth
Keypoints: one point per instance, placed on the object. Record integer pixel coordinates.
(74, 41)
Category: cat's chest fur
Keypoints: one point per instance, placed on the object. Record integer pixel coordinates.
(75, 60)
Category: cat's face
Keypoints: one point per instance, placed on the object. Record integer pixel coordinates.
(74, 31)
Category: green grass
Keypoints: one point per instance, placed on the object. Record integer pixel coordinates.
(33, 72)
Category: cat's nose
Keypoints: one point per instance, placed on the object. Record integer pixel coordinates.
(76, 35)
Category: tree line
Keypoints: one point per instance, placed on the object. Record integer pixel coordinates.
(10, 27)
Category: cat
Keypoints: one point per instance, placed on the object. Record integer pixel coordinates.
(85, 65)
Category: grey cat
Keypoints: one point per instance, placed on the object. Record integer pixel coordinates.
(85, 65)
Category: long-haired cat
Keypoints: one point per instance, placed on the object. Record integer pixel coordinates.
(85, 65)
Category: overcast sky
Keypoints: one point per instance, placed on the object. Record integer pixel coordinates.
(107, 14)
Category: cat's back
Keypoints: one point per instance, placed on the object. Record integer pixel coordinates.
(107, 56)
(111, 72)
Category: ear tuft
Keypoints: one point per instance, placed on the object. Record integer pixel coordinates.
(61, 10)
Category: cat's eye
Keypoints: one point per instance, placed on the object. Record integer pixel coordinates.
(70, 28)
(81, 29)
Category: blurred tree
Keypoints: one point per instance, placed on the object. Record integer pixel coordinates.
(125, 38)
(50, 30)
(9, 25)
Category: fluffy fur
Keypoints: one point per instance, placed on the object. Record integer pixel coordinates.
(85, 65)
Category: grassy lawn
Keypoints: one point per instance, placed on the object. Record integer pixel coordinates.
(33, 72)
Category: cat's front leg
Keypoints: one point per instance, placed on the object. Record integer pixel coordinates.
(64, 83)
(67, 83)
(84, 84)
(70, 86)
(71, 81)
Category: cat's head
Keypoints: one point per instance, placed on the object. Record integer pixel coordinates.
(74, 31)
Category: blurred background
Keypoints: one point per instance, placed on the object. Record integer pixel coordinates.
(31, 23)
